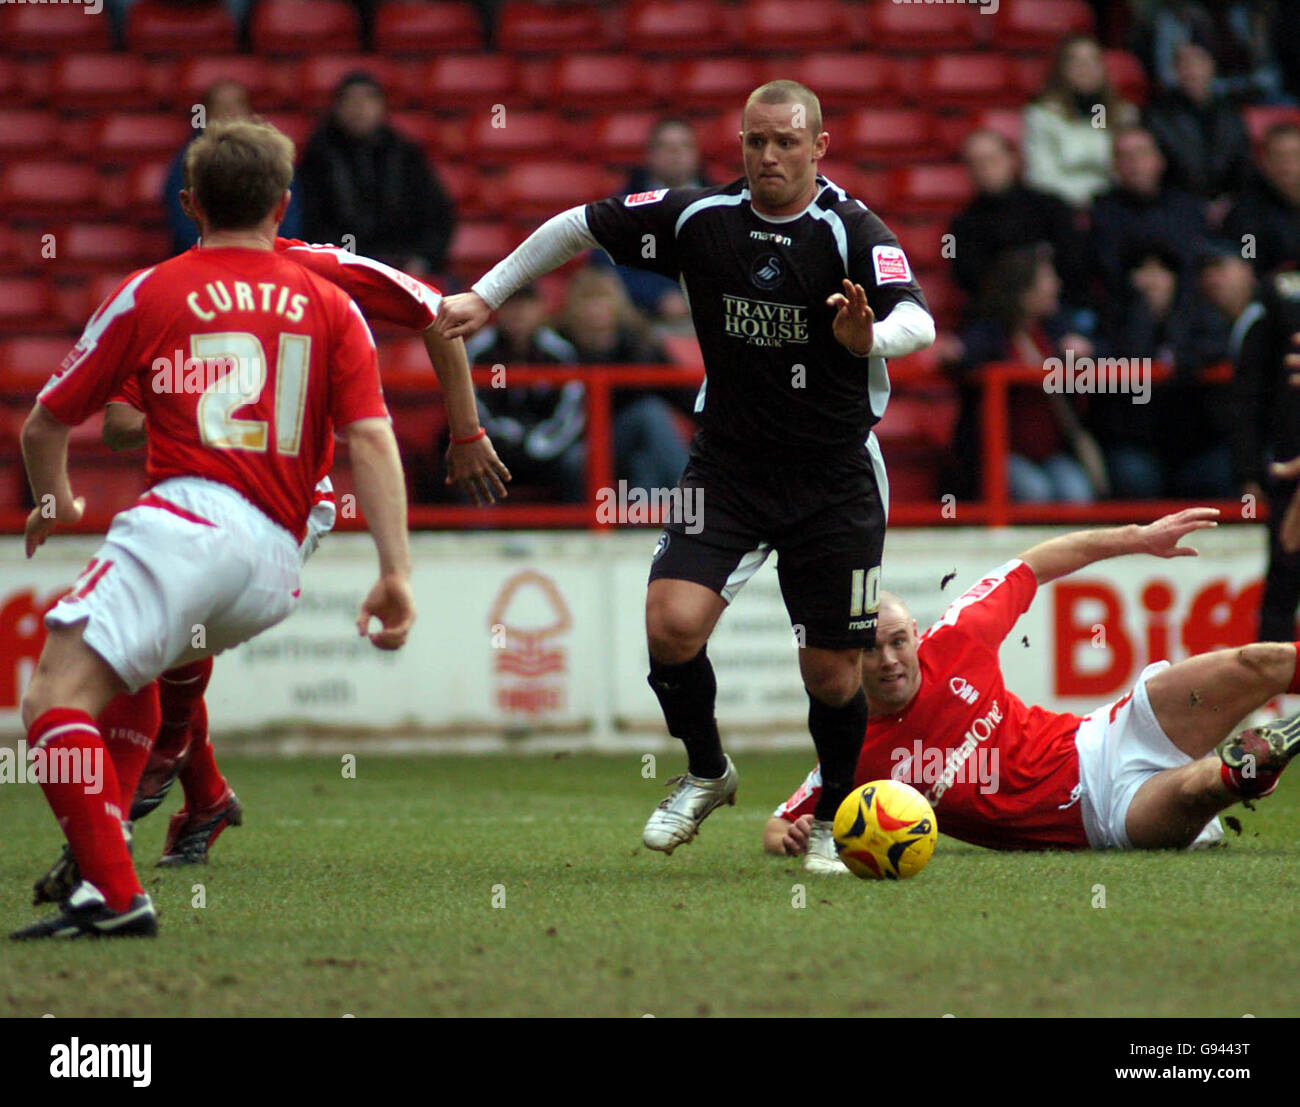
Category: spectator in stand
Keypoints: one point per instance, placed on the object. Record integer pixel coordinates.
(361, 178)
(1067, 149)
(1269, 207)
(1139, 209)
(224, 102)
(1052, 457)
(1007, 213)
(537, 428)
(672, 160)
(606, 329)
(1201, 134)
(1175, 442)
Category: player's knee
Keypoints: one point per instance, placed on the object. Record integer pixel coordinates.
(673, 634)
(833, 684)
(1268, 660)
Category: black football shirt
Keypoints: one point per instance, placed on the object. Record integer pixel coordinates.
(778, 384)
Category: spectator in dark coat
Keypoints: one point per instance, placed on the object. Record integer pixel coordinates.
(223, 102)
(1269, 208)
(1006, 213)
(1201, 134)
(361, 178)
(1141, 210)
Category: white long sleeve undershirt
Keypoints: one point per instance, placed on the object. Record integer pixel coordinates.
(904, 330)
(553, 243)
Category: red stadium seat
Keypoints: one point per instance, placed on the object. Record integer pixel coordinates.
(965, 80)
(520, 134)
(923, 243)
(1008, 122)
(36, 188)
(714, 83)
(12, 259)
(476, 247)
(861, 184)
(26, 304)
(785, 25)
(849, 80)
(467, 186)
(541, 189)
(1126, 75)
(930, 188)
(305, 27)
(1031, 75)
(914, 27)
(53, 28)
(945, 299)
(319, 76)
(143, 193)
(27, 133)
(530, 28)
(101, 81)
(469, 81)
(298, 125)
(105, 248)
(676, 27)
(159, 27)
(29, 361)
(579, 80)
(263, 79)
(1040, 24)
(421, 127)
(128, 136)
(415, 27)
(886, 133)
(620, 136)
(1260, 118)
(404, 355)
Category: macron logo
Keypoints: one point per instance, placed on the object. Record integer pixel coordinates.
(963, 690)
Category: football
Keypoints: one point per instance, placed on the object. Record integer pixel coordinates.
(885, 830)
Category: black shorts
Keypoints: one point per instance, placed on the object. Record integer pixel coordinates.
(826, 523)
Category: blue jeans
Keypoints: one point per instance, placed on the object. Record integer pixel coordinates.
(1059, 479)
(648, 449)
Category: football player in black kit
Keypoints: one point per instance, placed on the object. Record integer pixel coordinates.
(798, 294)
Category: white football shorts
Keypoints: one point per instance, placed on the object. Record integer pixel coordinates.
(1117, 758)
(190, 570)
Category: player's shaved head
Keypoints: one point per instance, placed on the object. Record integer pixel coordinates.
(790, 92)
(238, 172)
(894, 601)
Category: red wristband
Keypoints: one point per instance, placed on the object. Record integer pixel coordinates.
(468, 438)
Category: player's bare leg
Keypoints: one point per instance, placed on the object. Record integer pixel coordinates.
(71, 685)
(680, 615)
(837, 721)
(1198, 703)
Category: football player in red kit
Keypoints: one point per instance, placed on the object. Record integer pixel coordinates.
(1135, 774)
(209, 556)
(175, 710)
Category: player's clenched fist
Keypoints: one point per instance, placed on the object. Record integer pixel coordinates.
(795, 842)
(855, 322)
(392, 602)
(461, 315)
(41, 523)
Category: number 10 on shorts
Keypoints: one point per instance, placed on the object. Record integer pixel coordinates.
(865, 593)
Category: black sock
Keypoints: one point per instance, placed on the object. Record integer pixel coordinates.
(686, 693)
(837, 732)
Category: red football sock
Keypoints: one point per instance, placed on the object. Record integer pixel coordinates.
(179, 690)
(92, 821)
(202, 780)
(1248, 787)
(128, 726)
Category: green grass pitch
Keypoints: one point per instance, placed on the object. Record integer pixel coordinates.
(375, 896)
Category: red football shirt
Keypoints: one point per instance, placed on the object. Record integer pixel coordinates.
(245, 363)
(998, 774)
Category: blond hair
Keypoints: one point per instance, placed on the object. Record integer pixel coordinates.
(787, 92)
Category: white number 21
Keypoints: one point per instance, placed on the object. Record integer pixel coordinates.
(242, 384)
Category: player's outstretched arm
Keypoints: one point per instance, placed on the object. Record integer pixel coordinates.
(45, 453)
(785, 838)
(553, 243)
(472, 464)
(124, 427)
(381, 494)
(1059, 557)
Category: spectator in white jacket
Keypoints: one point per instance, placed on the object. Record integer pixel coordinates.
(1067, 134)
